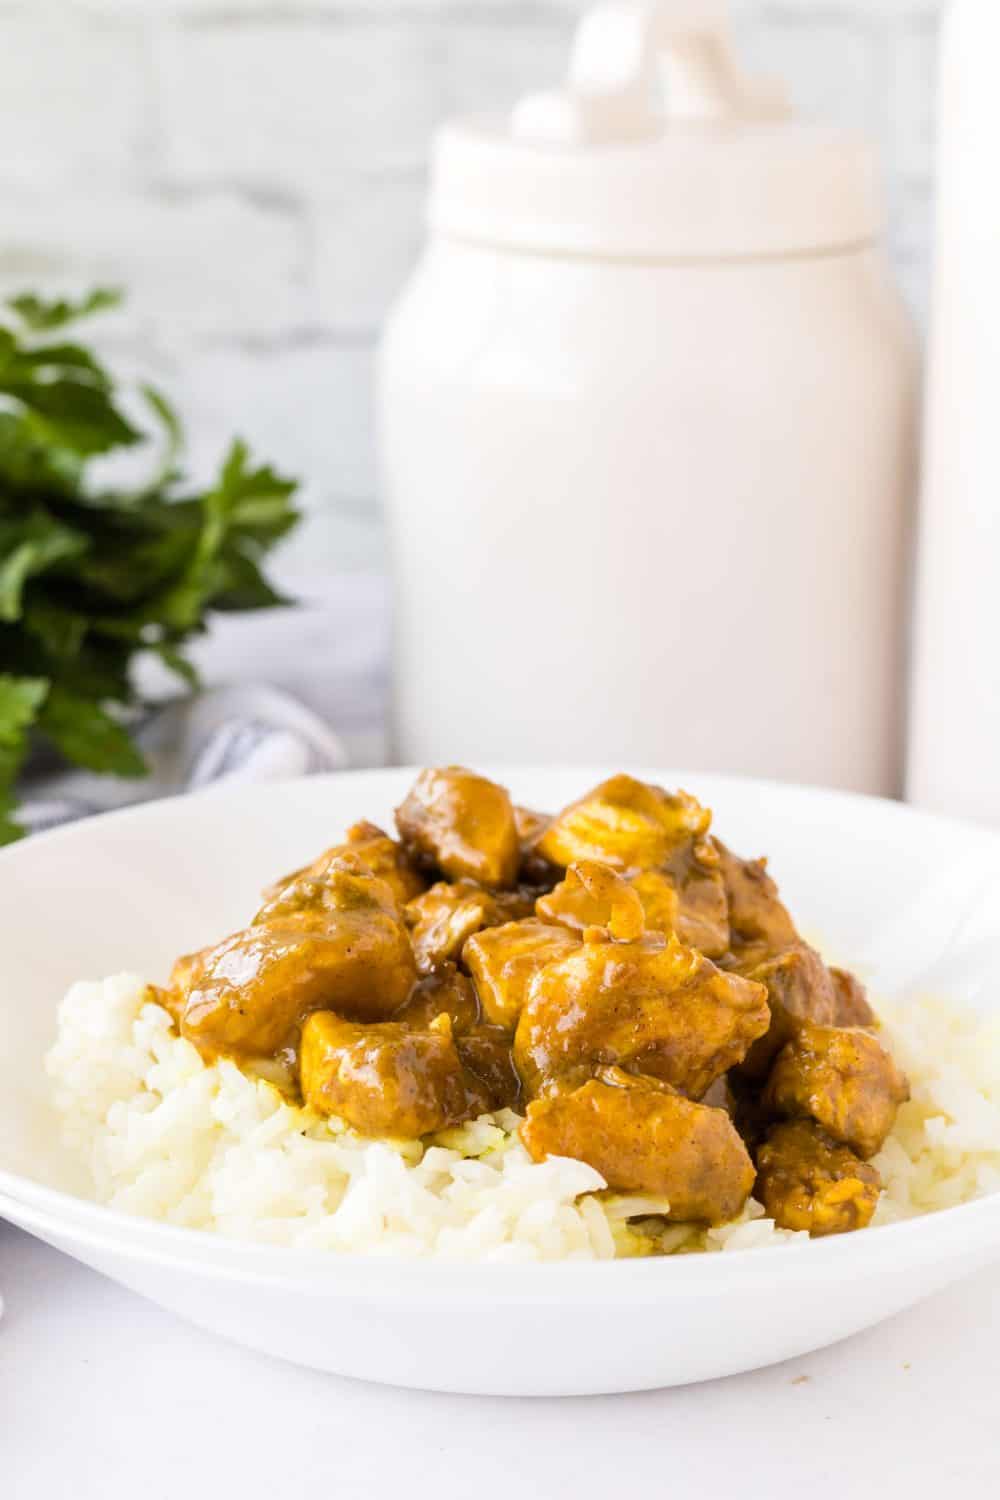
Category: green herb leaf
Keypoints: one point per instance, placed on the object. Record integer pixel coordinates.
(90, 578)
(179, 665)
(27, 548)
(60, 632)
(30, 463)
(243, 586)
(86, 734)
(20, 701)
(72, 414)
(43, 316)
(50, 360)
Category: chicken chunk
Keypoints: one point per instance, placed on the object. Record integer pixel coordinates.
(688, 899)
(183, 976)
(443, 918)
(530, 826)
(661, 901)
(464, 825)
(652, 1006)
(346, 884)
(644, 1137)
(766, 947)
(756, 915)
(376, 851)
(255, 989)
(807, 1181)
(844, 1079)
(444, 992)
(387, 1079)
(853, 1008)
(799, 988)
(720, 1095)
(319, 945)
(485, 1053)
(504, 960)
(626, 824)
(594, 895)
(484, 1049)
(702, 915)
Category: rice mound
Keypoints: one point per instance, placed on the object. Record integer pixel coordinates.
(167, 1136)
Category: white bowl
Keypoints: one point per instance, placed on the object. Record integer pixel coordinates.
(910, 898)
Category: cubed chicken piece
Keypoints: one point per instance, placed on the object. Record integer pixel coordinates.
(530, 825)
(688, 900)
(183, 977)
(626, 824)
(594, 895)
(844, 1079)
(169, 997)
(702, 919)
(485, 1053)
(756, 915)
(345, 885)
(720, 1095)
(379, 854)
(504, 960)
(644, 1137)
(799, 988)
(387, 1079)
(653, 1005)
(464, 825)
(807, 1181)
(443, 918)
(853, 1008)
(660, 899)
(256, 988)
(445, 992)
(247, 997)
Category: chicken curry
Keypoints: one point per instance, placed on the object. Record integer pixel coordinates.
(614, 973)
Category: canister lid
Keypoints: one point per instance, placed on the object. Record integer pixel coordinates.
(716, 169)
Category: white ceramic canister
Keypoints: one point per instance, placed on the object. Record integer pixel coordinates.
(955, 722)
(647, 428)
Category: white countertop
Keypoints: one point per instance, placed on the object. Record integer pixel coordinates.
(105, 1397)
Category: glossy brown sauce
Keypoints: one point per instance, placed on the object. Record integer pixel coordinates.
(612, 971)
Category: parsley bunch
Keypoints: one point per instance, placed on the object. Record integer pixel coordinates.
(92, 576)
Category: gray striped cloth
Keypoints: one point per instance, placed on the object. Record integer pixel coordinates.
(246, 733)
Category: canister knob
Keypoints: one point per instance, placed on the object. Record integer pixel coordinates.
(620, 53)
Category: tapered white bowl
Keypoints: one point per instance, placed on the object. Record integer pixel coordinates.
(912, 900)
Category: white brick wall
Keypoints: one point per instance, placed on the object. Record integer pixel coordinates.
(253, 171)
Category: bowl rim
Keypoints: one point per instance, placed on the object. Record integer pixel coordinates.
(942, 1235)
(60, 1212)
(155, 808)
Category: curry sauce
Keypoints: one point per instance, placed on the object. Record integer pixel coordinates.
(613, 972)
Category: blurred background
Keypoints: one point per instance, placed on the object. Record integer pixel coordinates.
(253, 172)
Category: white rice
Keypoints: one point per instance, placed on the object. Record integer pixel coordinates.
(167, 1136)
